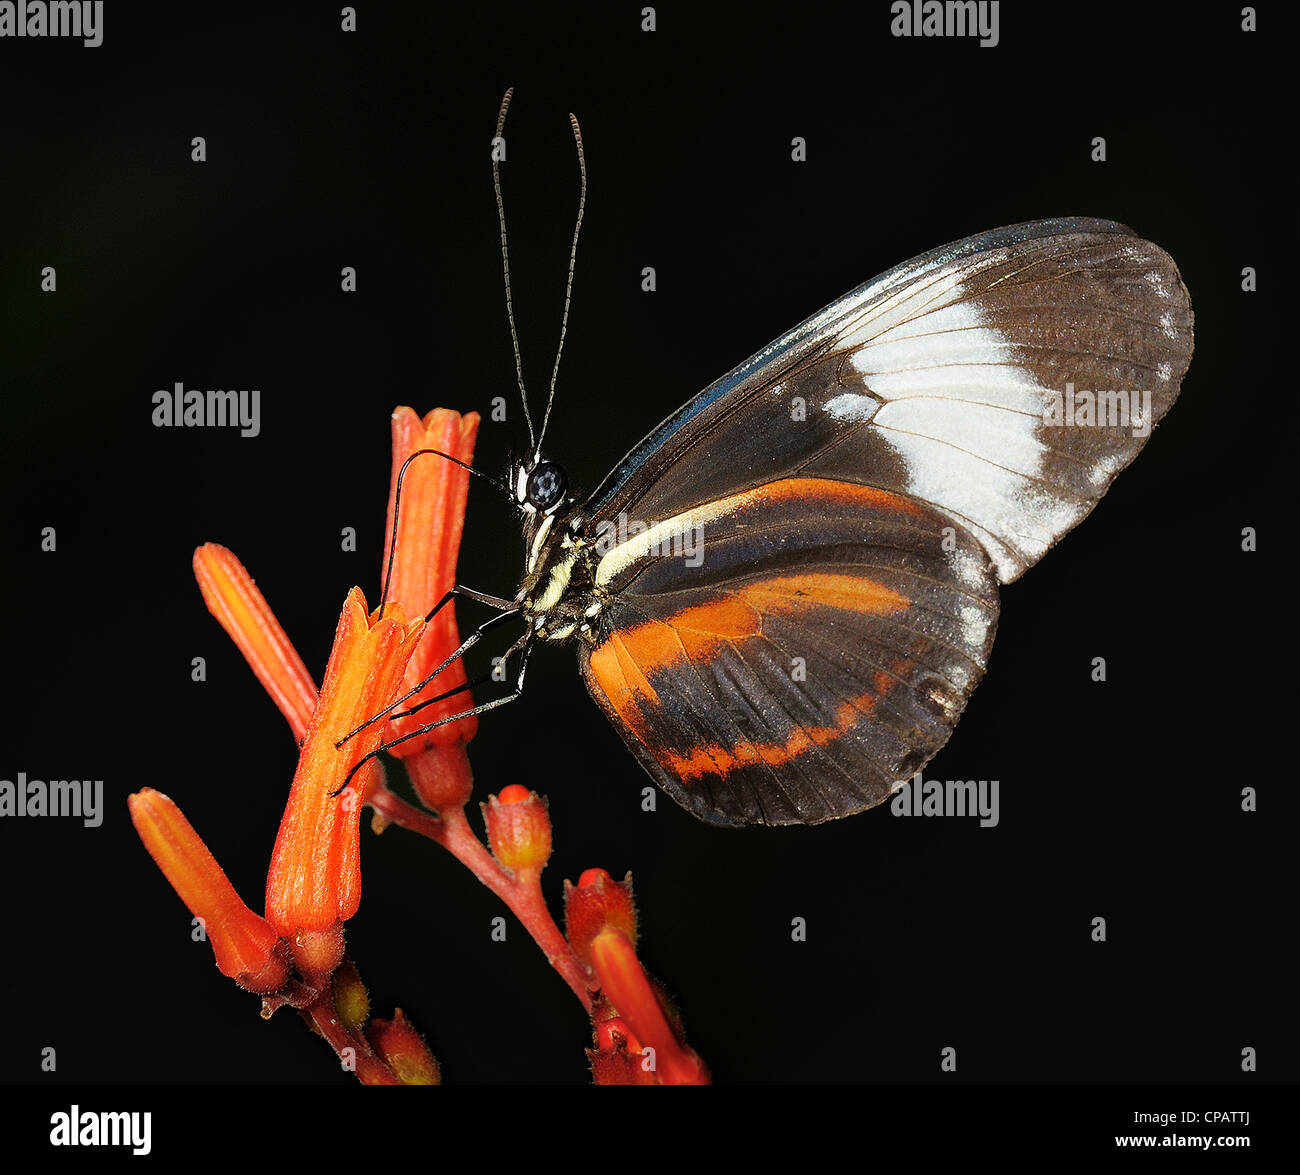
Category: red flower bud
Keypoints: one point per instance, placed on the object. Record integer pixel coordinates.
(403, 1050)
(617, 1058)
(519, 828)
(619, 1067)
(595, 904)
(440, 773)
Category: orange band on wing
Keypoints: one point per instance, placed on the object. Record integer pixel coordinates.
(620, 679)
(715, 759)
(621, 664)
(694, 633)
(823, 488)
(789, 593)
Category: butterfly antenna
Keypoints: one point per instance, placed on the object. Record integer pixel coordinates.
(568, 288)
(397, 508)
(505, 260)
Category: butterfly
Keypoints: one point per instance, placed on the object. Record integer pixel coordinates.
(783, 597)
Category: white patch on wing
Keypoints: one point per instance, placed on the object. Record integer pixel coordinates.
(1156, 281)
(659, 537)
(852, 406)
(974, 625)
(944, 700)
(964, 416)
(959, 675)
(969, 568)
(1104, 468)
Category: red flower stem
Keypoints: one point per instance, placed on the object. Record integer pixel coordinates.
(370, 1070)
(525, 901)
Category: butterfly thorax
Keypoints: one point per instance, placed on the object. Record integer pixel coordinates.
(558, 595)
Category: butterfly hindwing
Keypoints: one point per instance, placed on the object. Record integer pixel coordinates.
(821, 649)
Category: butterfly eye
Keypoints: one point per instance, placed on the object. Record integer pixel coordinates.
(546, 486)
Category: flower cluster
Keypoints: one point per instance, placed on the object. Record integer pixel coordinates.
(293, 953)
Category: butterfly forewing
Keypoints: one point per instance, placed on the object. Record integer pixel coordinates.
(943, 380)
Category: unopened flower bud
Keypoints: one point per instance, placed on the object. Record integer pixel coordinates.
(597, 903)
(403, 1050)
(519, 828)
(351, 1000)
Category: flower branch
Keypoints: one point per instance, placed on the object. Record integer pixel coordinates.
(295, 954)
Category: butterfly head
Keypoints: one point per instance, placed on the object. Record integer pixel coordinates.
(541, 487)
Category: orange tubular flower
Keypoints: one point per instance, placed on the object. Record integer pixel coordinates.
(244, 943)
(624, 981)
(601, 920)
(431, 518)
(233, 598)
(314, 884)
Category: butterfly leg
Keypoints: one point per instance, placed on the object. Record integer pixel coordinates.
(498, 602)
(468, 643)
(524, 645)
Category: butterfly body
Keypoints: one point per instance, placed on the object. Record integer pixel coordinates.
(785, 594)
(558, 597)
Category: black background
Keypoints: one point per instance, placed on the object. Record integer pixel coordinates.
(327, 149)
